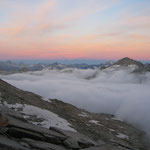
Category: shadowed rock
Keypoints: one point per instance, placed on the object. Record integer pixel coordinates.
(43, 145)
(30, 127)
(82, 140)
(71, 143)
(8, 143)
(23, 133)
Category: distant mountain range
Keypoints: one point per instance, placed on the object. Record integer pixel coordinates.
(11, 67)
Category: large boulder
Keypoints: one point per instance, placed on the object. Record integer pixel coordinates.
(71, 143)
(23, 133)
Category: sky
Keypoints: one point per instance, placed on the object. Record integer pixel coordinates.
(74, 29)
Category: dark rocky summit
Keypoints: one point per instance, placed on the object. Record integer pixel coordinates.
(94, 131)
(127, 61)
(124, 63)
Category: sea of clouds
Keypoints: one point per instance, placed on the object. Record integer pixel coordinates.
(118, 92)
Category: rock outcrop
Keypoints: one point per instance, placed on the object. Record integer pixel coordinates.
(17, 134)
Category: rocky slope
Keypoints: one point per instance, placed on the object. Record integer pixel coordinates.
(21, 109)
(127, 61)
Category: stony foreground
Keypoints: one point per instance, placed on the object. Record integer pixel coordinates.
(17, 134)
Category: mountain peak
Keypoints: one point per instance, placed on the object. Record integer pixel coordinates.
(128, 61)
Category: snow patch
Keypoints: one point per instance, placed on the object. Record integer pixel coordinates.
(112, 68)
(83, 114)
(122, 136)
(50, 119)
(40, 116)
(114, 118)
(46, 99)
(13, 106)
(132, 67)
(95, 122)
(112, 130)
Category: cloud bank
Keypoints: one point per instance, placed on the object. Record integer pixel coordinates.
(119, 92)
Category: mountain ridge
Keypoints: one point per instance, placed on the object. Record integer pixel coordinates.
(128, 61)
(9, 67)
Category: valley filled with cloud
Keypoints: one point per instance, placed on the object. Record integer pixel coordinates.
(114, 91)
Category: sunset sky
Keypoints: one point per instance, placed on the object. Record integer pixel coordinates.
(74, 29)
